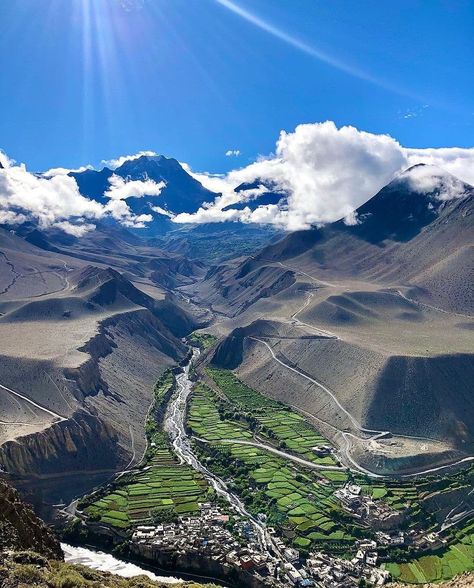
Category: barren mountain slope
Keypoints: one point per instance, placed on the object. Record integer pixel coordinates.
(388, 306)
(401, 237)
(115, 246)
(78, 362)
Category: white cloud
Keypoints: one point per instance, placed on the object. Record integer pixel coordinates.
(115, 163)
(352, 219)
(427, 179)
(233, 153)
(218, 183)
(72, 229)
(162, 211)
(47, 200)
(64, 171)
(5, 160)
(55, 202)
(119, 210)
(458, 161)
(327, 173)
(121, 189)
(10, 217)
(132, 5)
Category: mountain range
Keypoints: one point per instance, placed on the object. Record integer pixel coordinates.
(182, 193)
(377, 313)
(374, 316)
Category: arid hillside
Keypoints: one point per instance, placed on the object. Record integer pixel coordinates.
(371, 326)
(82, 346)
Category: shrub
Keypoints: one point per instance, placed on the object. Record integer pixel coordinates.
(27, 574)
(68, 579)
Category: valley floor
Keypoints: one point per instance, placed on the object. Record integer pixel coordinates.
(245, 469)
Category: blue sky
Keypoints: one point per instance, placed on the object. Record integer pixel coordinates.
(86, 80)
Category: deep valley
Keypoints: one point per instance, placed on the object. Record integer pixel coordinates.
(295, 410)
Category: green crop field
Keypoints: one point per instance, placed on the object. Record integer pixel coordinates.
(240, 393)
(204, 419)
(161, 485)
(292, 497)
(455, 560)
(284, 427)
(161, 488)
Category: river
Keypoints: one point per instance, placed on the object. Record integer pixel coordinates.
(105, 562)
(175, 426)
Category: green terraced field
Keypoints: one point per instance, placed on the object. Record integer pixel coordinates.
(204, 419)
(292, 497)
(163, 386)
(276, 421)
(240, 393)
(161, 486)
(458, 558)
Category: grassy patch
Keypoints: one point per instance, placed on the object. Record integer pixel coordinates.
(162, 488)
(202, 340)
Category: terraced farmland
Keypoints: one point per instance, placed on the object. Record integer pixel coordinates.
(205, 421)
(458, 558)
(299, 502)
(162, 488)
(452, 561)
(278, 423)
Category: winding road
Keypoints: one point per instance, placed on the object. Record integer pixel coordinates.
(295, 321)
(270, 449)
(374, 433)
(354, 421)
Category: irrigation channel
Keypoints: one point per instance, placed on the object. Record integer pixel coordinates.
(176, 428)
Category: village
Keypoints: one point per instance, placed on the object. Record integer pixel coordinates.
(231, 541)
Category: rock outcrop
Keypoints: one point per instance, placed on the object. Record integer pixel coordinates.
(85, 441)
(21, 529)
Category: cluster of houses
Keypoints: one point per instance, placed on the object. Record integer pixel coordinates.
(208, 535)
(419, 539)
(376, 514)
(332, 571)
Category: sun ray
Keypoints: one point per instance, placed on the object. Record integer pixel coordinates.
(311, 50)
